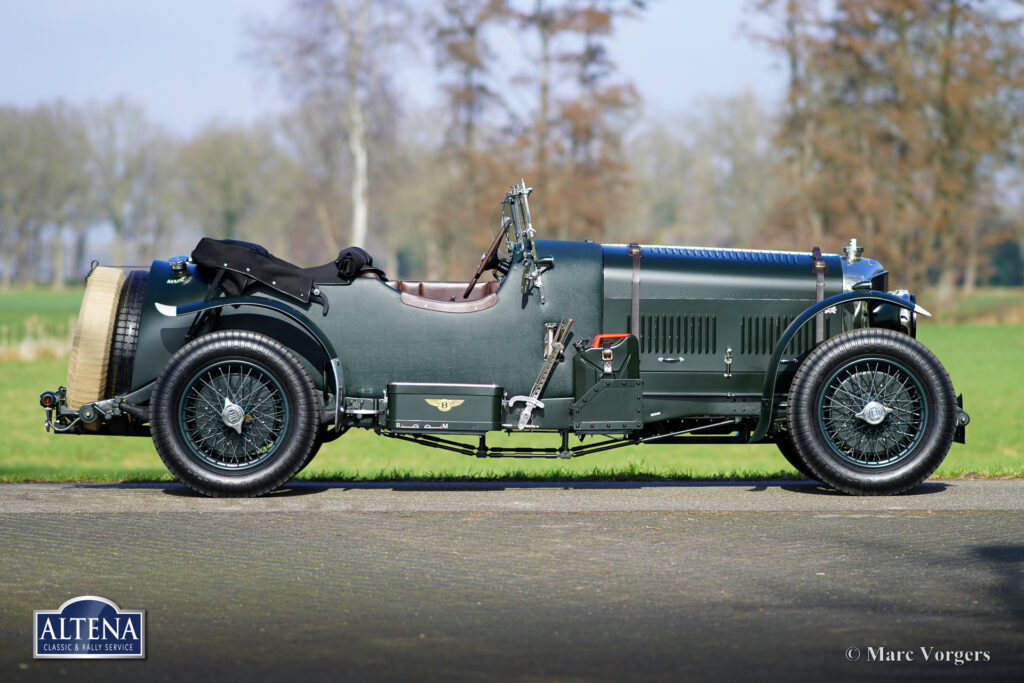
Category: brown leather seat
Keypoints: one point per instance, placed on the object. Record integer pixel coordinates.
(447, 291)
(446, 297)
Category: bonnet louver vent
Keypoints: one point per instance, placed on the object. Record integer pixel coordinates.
(682, 334)
(760, 333)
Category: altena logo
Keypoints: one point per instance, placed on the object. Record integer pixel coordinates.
(89, 627)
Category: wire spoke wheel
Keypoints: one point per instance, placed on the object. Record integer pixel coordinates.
(872, 412)
(233, 415)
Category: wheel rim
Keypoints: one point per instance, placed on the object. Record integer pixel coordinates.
(872, 412)
(233, 415)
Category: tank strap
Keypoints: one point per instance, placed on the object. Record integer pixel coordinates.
(634, 321)
(820, 269)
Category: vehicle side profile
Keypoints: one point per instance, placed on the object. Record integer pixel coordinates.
(240, 365)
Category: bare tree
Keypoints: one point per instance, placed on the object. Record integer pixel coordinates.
(23, 188)
(332, 57)
(463, 50)
(69, 205)
(43, 187)
(128, 157)
(224, 171)
(706, 177)
(461, 32)
(575, 120)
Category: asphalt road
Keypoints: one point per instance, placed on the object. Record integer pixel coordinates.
(771, 580)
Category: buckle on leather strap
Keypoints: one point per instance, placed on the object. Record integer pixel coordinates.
(636, 253)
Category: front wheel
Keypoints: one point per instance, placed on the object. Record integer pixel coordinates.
(872, 412)
(793, 457)
(234, 414)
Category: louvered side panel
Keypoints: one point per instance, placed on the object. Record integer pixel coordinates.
(678, 334)
(759, 334)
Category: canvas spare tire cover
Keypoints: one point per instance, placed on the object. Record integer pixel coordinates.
(90, 348)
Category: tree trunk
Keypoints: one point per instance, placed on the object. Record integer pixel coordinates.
(360, 174)
(21, 252)
(356, 32)
(435, 265)
(947, 280)
(970, 267)
(79, 255)
(58, 258)
(544, 113)
(326, 233)
(8, 266)
(117, 250)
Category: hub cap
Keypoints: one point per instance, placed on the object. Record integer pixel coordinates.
(872, 412)
(233, 415)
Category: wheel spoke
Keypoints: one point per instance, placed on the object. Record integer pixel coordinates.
(205, 425)
(850, 391)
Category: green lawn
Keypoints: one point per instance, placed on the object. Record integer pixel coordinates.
(984, 362)
(38, 313)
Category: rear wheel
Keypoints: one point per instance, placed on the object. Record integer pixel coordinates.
(234, 414)
(872, 412)
(322, 436)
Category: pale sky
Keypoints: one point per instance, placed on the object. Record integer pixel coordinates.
(184, 61)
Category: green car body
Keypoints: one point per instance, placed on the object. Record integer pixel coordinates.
(552, 345)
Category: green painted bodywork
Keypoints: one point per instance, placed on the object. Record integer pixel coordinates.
(383, 340)
(697, 306)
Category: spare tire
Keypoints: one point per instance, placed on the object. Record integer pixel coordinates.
(126, 334)
(90, 348)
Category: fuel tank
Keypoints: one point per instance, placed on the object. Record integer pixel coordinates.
(710, 318)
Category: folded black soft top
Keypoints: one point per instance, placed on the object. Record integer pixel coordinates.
(235, 266)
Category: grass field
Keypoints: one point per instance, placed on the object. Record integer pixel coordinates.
(37, 323)
(984, 361)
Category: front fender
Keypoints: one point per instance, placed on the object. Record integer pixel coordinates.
(772, 371)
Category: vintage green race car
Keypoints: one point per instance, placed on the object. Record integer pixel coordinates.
(241, 365)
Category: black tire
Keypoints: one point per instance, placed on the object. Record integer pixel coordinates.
(265, 392)
(788, 450)
(872, 412)
(318, 443)
(322, 436)
(126, 334)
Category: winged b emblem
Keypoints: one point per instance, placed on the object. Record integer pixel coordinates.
(444, 404)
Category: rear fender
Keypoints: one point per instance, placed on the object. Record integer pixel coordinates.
(315, 333)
